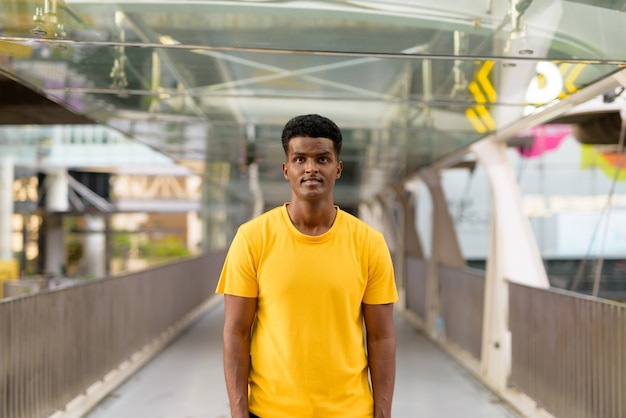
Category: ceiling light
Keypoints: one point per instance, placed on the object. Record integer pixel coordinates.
(47, 22)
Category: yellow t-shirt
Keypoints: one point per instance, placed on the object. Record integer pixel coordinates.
(308, 355)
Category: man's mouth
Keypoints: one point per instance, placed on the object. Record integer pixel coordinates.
(312, 180)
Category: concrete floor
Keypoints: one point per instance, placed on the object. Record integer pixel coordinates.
(186, 381)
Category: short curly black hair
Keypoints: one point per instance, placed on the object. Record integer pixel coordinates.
(312, 126)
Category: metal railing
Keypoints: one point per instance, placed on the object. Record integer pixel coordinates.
(568, 352)
(462, 306)
(54, 345)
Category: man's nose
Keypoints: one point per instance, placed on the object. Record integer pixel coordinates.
(310, 167)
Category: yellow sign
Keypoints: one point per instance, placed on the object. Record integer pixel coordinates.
(484, 94)
(569, 72)
(8, 271)
(15, 50)
(553, 81)
(612, 164)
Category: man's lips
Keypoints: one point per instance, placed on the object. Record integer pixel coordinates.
(312, 180)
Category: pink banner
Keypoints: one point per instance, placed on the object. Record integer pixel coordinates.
(546, 138)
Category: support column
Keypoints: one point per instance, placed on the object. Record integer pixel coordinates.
(220, 213)
(55, 251)
(389, 225)
(57, 190)
(445, 248)
(513, 256)
(371, 214)
(410, 236)
(258, 203)
(8, 265)
(411, 245)
(393, 236)
(95, 246)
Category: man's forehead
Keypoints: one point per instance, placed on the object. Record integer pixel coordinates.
(308, 144)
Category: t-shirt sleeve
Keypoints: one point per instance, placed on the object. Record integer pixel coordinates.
(381, 284)
(238, 277)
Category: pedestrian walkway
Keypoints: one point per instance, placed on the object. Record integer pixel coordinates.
(186, 381)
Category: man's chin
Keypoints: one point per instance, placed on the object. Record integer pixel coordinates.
(312, 195)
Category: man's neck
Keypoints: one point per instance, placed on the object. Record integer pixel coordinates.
(312, 219)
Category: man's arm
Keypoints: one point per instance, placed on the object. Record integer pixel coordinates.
(239, 314)
(381, 349)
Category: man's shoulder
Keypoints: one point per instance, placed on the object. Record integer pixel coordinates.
(269, 217)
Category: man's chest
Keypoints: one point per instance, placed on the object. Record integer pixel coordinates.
(289, 269)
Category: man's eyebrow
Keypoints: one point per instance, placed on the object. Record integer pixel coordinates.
(319, 153)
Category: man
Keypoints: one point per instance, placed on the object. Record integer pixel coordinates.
(299, 282)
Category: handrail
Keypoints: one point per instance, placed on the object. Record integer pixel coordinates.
(462, 307)
(56, 344)
(569, 351)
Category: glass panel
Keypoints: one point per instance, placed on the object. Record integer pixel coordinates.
(557, 29)
(421, 79)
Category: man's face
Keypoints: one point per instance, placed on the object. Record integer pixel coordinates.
(312, 167)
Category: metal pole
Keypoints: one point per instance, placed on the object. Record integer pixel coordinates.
(6, 206)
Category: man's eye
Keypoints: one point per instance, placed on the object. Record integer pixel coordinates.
(324, 159)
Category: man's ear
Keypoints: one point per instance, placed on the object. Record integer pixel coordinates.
(285, 171)
(339, 168)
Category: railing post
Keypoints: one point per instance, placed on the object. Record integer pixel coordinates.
(513, 255)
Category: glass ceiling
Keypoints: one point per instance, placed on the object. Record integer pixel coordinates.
(409, 82)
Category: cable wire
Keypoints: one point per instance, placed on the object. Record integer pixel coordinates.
(609, 203)
(606, 211)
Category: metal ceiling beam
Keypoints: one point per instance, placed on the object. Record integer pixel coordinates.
(312, 52)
